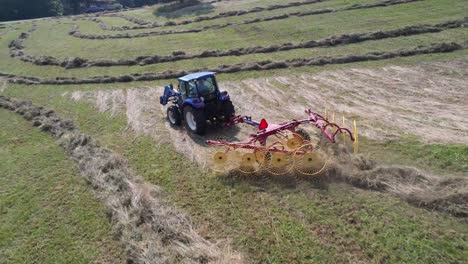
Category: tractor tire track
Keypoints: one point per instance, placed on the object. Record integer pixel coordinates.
(17, 48)
(151, 229)
(74, 31)
(255, 66)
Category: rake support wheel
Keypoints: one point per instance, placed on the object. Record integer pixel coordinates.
(309, 160)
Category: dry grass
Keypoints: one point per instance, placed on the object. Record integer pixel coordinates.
(427, 101)
(152, 230)
(446, 194)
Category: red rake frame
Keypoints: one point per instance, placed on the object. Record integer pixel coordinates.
(279, 130)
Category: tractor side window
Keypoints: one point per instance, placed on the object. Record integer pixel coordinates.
(191, 89)
(183, 89)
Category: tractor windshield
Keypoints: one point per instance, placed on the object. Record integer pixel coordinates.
(206, 86)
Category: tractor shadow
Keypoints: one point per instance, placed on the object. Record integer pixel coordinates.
(266, 181)
(214, 132)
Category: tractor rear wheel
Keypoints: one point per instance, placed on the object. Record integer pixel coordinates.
(174, 116)
(195, 119)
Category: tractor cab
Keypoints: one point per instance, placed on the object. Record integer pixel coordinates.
(197, 100)
(199, 85)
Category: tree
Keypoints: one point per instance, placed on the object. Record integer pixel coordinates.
(26, 9)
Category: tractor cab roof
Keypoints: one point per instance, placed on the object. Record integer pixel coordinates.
(195, 76)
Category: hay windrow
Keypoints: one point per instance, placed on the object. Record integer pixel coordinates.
(17, 49)
(251, 66)
(439, 193)
(151, 229)
(76, 33)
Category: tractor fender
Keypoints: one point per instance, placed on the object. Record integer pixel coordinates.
(223, 96)
(196, 103)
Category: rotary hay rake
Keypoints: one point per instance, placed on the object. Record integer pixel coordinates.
(280, 148)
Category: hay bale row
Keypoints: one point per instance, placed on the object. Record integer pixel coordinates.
(151, 230)
(76, 33)
(250, 66)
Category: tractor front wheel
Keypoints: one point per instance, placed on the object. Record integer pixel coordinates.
(174, 116)
(195, 119)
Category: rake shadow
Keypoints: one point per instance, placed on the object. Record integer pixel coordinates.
(213, 132)
(266, 181)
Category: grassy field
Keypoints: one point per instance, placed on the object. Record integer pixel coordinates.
(276, 222)
(267, 221)
(48, 214)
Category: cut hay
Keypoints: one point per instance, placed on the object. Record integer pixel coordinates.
(151, 229)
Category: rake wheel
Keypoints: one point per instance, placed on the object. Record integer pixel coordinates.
(310, 160)
(250, 161)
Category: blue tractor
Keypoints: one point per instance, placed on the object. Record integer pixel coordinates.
(197, 100)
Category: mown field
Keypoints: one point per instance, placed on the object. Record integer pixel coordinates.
(264, 220)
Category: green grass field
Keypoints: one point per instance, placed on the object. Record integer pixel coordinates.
(49, 214)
